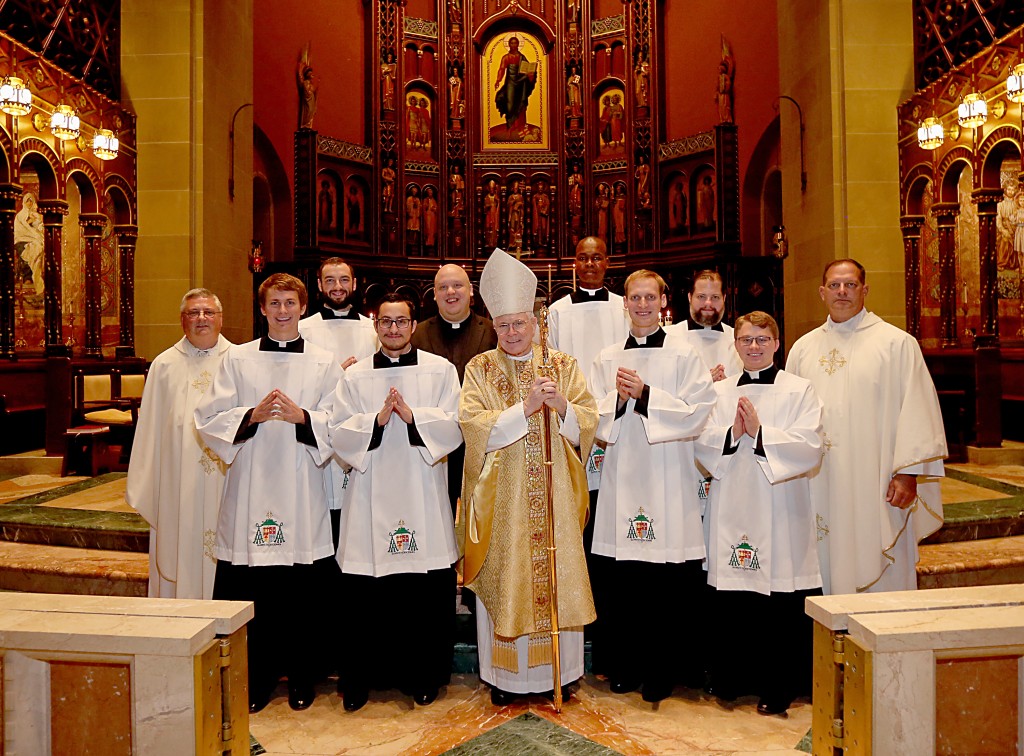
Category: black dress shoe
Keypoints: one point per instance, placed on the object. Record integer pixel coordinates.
(300, 697)
(355, 699)
(624, 686)
(258, 704)
(425, 697)
(722, 693)
(654, 692)
(501, 697)
(771, 705)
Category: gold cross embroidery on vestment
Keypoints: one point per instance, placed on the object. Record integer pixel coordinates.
(202, 382)
(833, 362)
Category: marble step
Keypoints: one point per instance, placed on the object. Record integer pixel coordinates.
(37, 568)
(989, 561)
(979, 507)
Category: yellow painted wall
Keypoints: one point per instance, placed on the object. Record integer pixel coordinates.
(184, 71)
(848, 63)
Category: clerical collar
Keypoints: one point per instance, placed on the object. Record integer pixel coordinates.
(519, 357)
(589, 295)
(193, 351)
(654, 340)
(765, 375)
(450, 326)
(349, 313)
(848, 325)
(381, 360)
(296, 345)
(693, 325)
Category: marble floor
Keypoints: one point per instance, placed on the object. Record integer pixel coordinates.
(462, 720)
(593, 721)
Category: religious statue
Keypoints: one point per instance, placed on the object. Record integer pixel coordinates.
(514, 83)
(707, 213)
(456, 105)
(388, 71)
(575, 193)
(455, 11)
(412, 216)
(616, 116)
(643, 189)
(573, 96)
(642, 81)
(428, 208)
(457, 187)
(726, 71)
(491, 214)
(619, 215)
(603, 204)
(541, 214)
(515, 219)
(307, 89)
(604, 123)
(387, 175)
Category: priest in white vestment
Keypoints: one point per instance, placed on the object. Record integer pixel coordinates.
(582, 324)
(877, 493)
(395, 422)
(174, 479)
(505, 530)
(654, 395)
(762, 440)
(340, 329)
(704, 328)
(266, 416)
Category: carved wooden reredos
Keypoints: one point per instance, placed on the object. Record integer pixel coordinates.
(449, 174)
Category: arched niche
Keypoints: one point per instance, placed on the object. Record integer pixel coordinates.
(358, 209)
(420, 122)
(329, 191)
(675, 190)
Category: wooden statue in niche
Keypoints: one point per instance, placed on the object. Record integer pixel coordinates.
(643, 184)
(611, 123)
(541, 216)
(388, 72)
(619, 217)
(456, 192)
(327, 206)
(492, 214)
(418, 127)
(516, 209)
(603, 204)
(573, 94)
(707, 213)
(677, 213)
(355, 214)
(514, 94)
(307, 89)
(387, 192)
(575, 182)
(428, 210)
(456, 103)
(412, 217)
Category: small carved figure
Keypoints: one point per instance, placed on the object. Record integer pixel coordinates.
(726, 70)
(603, 204)
(458, 186)
(456, 105)
(428, 208)
(515, 219)
(412, 216)
(388, 70)
(643, 176)
(307, 89)
(387, 175)
(572, 88)
(541, 213)
(707, 213)
(491, 214)
(642, 81)
(619, 215)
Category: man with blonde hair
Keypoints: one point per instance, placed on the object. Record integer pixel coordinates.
(762, 440)
(654, 395)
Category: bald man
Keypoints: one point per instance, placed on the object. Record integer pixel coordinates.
(458, 335)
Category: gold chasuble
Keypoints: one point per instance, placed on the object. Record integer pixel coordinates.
(504, 527)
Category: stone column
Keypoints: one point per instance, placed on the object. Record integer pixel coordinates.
(92, 231)
(987, 357)
(9, 196)
(54, 211)
(126, 238)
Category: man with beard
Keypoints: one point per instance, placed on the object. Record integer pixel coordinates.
(346, 334)
(394, 420)
(704, 328)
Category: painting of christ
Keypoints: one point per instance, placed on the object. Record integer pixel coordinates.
(514, 95)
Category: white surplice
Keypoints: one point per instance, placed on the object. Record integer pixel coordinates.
(714, 347)
(344, 338)
(583, 329)
(274, 508)
(647, 507)
(760, 524)
(881, 417)
(174, 480)
(397, 516)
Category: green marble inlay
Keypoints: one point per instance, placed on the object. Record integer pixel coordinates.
(977, 480)
(529, 735)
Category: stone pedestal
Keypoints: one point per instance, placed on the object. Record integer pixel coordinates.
(123, 675)
(935, 671)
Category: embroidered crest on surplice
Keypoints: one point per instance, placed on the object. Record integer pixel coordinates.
(403, 540)
(744, 556)
(270, 532)
(704, 488)
(641, 528)
(596, 461)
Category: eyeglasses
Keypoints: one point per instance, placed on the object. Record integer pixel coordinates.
(761, 340)
(196, 314)
(515, 325)
(386, 323)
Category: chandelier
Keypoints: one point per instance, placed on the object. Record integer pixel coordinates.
(931, 135)
(65, 123)
(1015, 84)
(973, 111)
(105, 144)
(15, 96)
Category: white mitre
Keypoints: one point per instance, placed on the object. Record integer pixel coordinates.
(506, 285)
